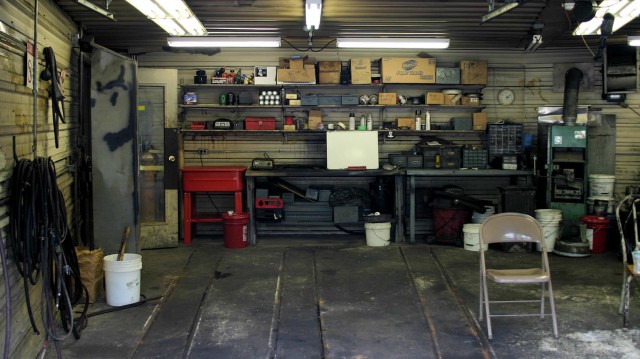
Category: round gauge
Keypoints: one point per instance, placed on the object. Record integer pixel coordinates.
(506, 97)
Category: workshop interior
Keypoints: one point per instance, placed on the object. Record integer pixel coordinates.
(320, 178)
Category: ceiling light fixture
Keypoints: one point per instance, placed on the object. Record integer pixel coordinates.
(633, 40)
(393, 43)
(102, 11)
(623, 11)
(173, 16)
(494, 12)
(205, 41)
(312, 12)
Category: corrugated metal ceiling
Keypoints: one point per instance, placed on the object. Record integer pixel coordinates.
(459, 20)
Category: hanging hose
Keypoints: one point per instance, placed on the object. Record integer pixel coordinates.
(7, 303)
(41, 243)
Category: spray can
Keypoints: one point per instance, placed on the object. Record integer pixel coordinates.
(418, 124)
(438, 161)
(352, 121)
(363, 122)
(369, 123)
(427, 121)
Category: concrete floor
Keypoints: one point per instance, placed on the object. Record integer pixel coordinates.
(293, 298)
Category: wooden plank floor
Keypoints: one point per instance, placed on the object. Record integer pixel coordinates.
(342, 299)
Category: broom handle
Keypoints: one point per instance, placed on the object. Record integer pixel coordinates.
(123, 244)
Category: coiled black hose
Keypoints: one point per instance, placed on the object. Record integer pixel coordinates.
(41, 243)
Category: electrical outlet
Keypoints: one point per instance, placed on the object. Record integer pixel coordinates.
(202, 151)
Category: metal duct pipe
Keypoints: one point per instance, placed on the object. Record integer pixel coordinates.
(572, 80)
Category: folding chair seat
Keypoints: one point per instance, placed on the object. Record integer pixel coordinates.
(514, 228)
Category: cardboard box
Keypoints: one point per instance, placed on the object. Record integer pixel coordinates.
(264, 75)
(480, 121)
(452, 99)
(315, 118)
(361, 71)
(473, 72)
(470, 101)
(329, 72)
(297, 76)
(408, 70)
(448, 75)
(406, 122)
(387, 98)
(434, 98)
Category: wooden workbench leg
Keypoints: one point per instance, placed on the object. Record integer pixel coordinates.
(187, 217)
(412, 209)
(399, 207)
(251, 209)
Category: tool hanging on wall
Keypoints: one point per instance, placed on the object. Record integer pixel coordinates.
(55, 91)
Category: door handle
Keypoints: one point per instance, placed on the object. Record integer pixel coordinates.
(172, 158)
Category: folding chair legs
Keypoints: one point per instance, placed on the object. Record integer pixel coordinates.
(625, 301)
(484, 301)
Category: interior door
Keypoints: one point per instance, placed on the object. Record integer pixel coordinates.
(158, 158)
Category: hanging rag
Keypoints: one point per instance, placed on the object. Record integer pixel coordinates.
(50, 73)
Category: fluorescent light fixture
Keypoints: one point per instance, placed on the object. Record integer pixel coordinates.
(173, 16)
(623, 11)
(313, 12)
(393, 43)
(104, 12)
(634, 40)
(499, 11)
(205, 41)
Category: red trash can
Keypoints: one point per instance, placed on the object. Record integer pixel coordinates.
(598, 225)
(236, 228)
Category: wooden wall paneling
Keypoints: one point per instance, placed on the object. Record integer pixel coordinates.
(16, 119)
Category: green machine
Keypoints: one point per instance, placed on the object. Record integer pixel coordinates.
(567, 185)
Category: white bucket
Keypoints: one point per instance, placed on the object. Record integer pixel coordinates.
(471, 233)
(122, 279)
(601, 185)
(551, 233)
(547, 214)
(378, 234)
(479, 217)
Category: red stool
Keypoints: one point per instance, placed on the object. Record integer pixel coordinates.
(209, 179)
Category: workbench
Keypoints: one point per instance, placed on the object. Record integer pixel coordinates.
(250, 176)
(412, 173)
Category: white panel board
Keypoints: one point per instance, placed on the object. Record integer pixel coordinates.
(352, 148)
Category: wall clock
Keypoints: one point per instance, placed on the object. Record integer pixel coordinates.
(506, 97)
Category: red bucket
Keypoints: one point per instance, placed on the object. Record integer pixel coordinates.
(236, 228)
(599, 225)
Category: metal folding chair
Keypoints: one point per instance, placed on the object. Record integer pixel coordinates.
(629, 205)
(514, 228)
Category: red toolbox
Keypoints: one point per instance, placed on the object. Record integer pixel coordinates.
(260, 123)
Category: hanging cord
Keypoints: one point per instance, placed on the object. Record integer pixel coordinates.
(41, 242)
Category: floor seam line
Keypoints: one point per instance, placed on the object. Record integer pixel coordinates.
(277, 309)
(194, 324)
(423, 306)
(471, 320)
